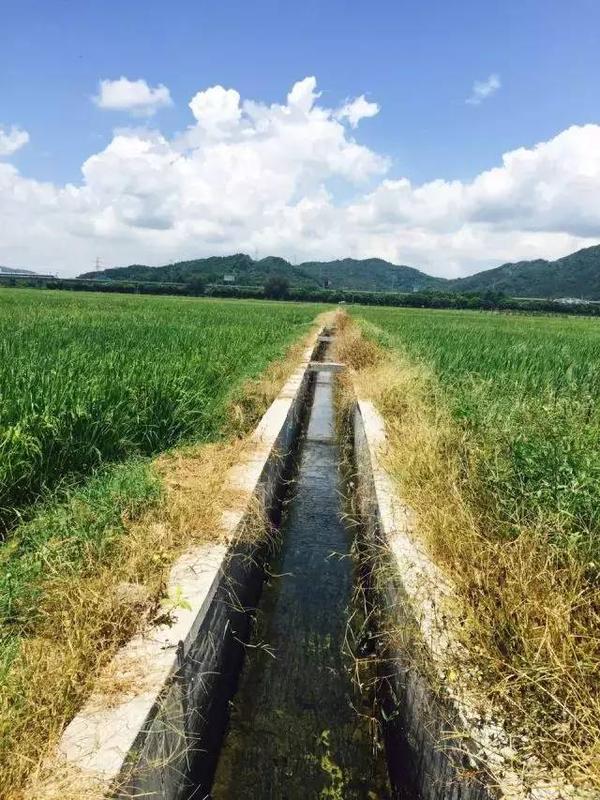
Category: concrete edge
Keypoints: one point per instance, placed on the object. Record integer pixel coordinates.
(103, 741)
(451, 750)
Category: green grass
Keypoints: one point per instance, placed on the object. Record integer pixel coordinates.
(90, 379)
(526, 393)
(55, 611)
(67, 537)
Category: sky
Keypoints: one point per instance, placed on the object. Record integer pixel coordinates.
(447, 136)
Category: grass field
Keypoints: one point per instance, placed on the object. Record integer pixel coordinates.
(89, 379)
(526, 391)
(494, 425)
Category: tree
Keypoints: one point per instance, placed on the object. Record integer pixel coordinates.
(276, 287)
(196, 285)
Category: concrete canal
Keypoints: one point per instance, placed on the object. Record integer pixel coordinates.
(296, 728)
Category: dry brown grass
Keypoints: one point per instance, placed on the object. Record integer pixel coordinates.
(86, 618)
(84, 621)
(530, 615)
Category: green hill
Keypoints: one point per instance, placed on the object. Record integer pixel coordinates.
(371, 274)
(245, 270)
(577, 275)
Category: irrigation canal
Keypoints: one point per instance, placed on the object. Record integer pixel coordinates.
(296, 729)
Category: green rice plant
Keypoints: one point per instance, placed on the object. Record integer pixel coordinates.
(90, 379)
(526, 392)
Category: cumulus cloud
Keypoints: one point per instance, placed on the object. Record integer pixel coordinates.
(357, 109)
(303, 95)
(483, 89)
(249, 176)
(216, 109)
(12, 139)
(538, 203)
(135, 97)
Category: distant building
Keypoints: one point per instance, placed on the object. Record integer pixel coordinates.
(8, 272)
(569, 301)
(228, 278)
(14, 273)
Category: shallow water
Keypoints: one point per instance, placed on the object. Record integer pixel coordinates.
(294, 731)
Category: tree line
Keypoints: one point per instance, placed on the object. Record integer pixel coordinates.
(278, 288)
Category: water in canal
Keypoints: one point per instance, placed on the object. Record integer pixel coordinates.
(295, 731)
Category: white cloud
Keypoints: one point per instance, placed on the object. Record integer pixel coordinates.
(483, 89)
(357, 109)
(135, 97)
(247, 176)
(303, 95)
(12, 140)
(216, 109)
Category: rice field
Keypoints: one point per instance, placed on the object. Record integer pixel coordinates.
(525, 391)
(496, 445)
(493, 428)
(90, 379)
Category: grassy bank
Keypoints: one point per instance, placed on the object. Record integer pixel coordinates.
(494, 429)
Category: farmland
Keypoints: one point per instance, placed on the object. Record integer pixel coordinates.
(527, 392)
(86, 380)
(494, 425)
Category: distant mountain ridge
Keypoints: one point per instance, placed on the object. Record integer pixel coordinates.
(373, 274)
(576, 275)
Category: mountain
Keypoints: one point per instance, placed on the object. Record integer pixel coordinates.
(245, 270)
(372, 274)
(577, 275)
(369, 275)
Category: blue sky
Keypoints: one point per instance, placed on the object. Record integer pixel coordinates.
(417, 60)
